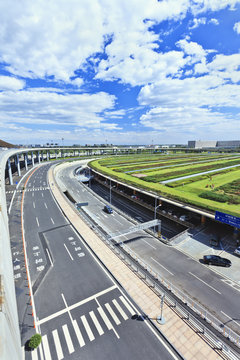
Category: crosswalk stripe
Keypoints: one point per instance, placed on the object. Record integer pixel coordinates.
(112, 313)
(78, 333)
(96, 323)
(120, 309)
(23, 352)
(130, 309)
(34, 355)
(68, 339)
(105, 318)
(46, 348)
(57, 344)
(87, 328)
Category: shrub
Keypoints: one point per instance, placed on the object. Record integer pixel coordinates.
(35, 341)
(234, 200)
(214, 196)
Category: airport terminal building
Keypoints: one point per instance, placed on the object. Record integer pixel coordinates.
(199, 144)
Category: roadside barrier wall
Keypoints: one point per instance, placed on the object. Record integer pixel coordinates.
(10, 343)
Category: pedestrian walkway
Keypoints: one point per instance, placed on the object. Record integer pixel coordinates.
(183, 338)
(68, 337)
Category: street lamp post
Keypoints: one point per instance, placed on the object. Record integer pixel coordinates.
(110, 196)
(155, 216)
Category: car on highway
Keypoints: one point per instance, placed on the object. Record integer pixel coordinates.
(108, 209)
(216, 260)
(237, 251)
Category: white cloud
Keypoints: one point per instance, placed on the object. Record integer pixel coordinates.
(197, 22)
(11, 83)
(77, 82)
(190, 106)
(237, 27)
(193, 49)
(213, 21)
(44, 39)
(46, 109)
(200, 6)
(117, 114)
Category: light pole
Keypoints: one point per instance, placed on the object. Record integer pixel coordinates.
(160, 319)
(155, 216)
(110, 196)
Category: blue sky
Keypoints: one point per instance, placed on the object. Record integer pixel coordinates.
(119, 71)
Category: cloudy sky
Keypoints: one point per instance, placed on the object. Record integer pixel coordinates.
(119, 71)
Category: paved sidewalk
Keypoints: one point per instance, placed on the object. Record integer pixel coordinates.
(190, 345)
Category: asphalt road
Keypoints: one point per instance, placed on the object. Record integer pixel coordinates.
(81, 311)
(194, 279)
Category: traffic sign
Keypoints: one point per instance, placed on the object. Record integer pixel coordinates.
(227, 219)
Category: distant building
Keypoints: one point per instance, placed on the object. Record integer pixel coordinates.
(198, 144)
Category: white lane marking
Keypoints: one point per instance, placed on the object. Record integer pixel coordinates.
(105, 318)
(107, 321)
(71, 307)
(105, 215)
(162, 266)
(130, 309)
(236, 322)
(204, 282)
(87, 328)
(49, 257)
(112, 313)
(42, 194)
(10, 206)
(37, 221)
(78, 333)
(70, 238)
(34, 204)
(23, 352)
(32, 194)
(57, 345)
(52, 221)
(46, 348)
(149, 244)
(96, 323)
(68, 251)
(68, 339)
(34, 355)
(116, 304)
(45, 205)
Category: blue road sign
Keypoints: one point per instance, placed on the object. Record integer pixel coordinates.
(227, 219)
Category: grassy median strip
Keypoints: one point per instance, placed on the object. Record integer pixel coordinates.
(186, 190)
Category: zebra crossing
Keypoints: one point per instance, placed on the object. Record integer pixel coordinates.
(29, 189)
(69, 337)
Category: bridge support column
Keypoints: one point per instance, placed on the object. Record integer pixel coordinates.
(18, 165)
(38, 155)
(32, 156)
(236, 234)
(203, 219)
(10, 172)
(25, 161)
(47, 155)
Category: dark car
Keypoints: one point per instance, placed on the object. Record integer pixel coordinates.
(216, 260)
(108, 209)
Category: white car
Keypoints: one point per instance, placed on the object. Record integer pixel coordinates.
(237, 251)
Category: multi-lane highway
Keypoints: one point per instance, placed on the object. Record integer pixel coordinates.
(80, 310)
(194, 279)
